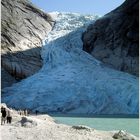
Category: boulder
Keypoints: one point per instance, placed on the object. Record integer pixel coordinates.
(28, 122)
(122, 135)
(23, 29)
(114, 38)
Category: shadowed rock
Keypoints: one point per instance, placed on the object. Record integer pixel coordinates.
(7, 79)
(114, 38)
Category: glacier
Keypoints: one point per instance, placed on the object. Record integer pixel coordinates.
(71, 80)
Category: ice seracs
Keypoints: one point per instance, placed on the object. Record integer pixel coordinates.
(72, 81)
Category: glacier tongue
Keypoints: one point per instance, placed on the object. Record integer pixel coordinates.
(72, 81)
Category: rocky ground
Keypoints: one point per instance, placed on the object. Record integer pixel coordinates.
(42, 127)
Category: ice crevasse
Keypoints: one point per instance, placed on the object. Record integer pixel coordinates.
(71, 80)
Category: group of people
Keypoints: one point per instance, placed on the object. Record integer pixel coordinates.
(5, 116)
(24, 112)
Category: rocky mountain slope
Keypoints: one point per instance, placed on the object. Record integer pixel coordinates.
(71, 80)
(114, 38)
(23, 29)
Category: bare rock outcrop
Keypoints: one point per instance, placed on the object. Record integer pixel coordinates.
(114, 38)
(23, 28)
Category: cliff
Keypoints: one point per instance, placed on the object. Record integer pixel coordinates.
(23, 28)
(114, 38)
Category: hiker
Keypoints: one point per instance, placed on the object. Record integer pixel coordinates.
(26, 112)
(20, 112)
(3, 117)
(29, 112)
(9, 117)
(36, 112)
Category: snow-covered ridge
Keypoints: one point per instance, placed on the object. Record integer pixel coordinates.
(71, 80)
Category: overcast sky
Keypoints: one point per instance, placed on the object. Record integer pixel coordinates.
(99, 7)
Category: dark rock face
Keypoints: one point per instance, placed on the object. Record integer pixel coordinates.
(23, 29)
(114, 38)
(7, 79)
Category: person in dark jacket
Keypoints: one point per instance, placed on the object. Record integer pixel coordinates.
(36, 112)
(3, 115)
(9, 117)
